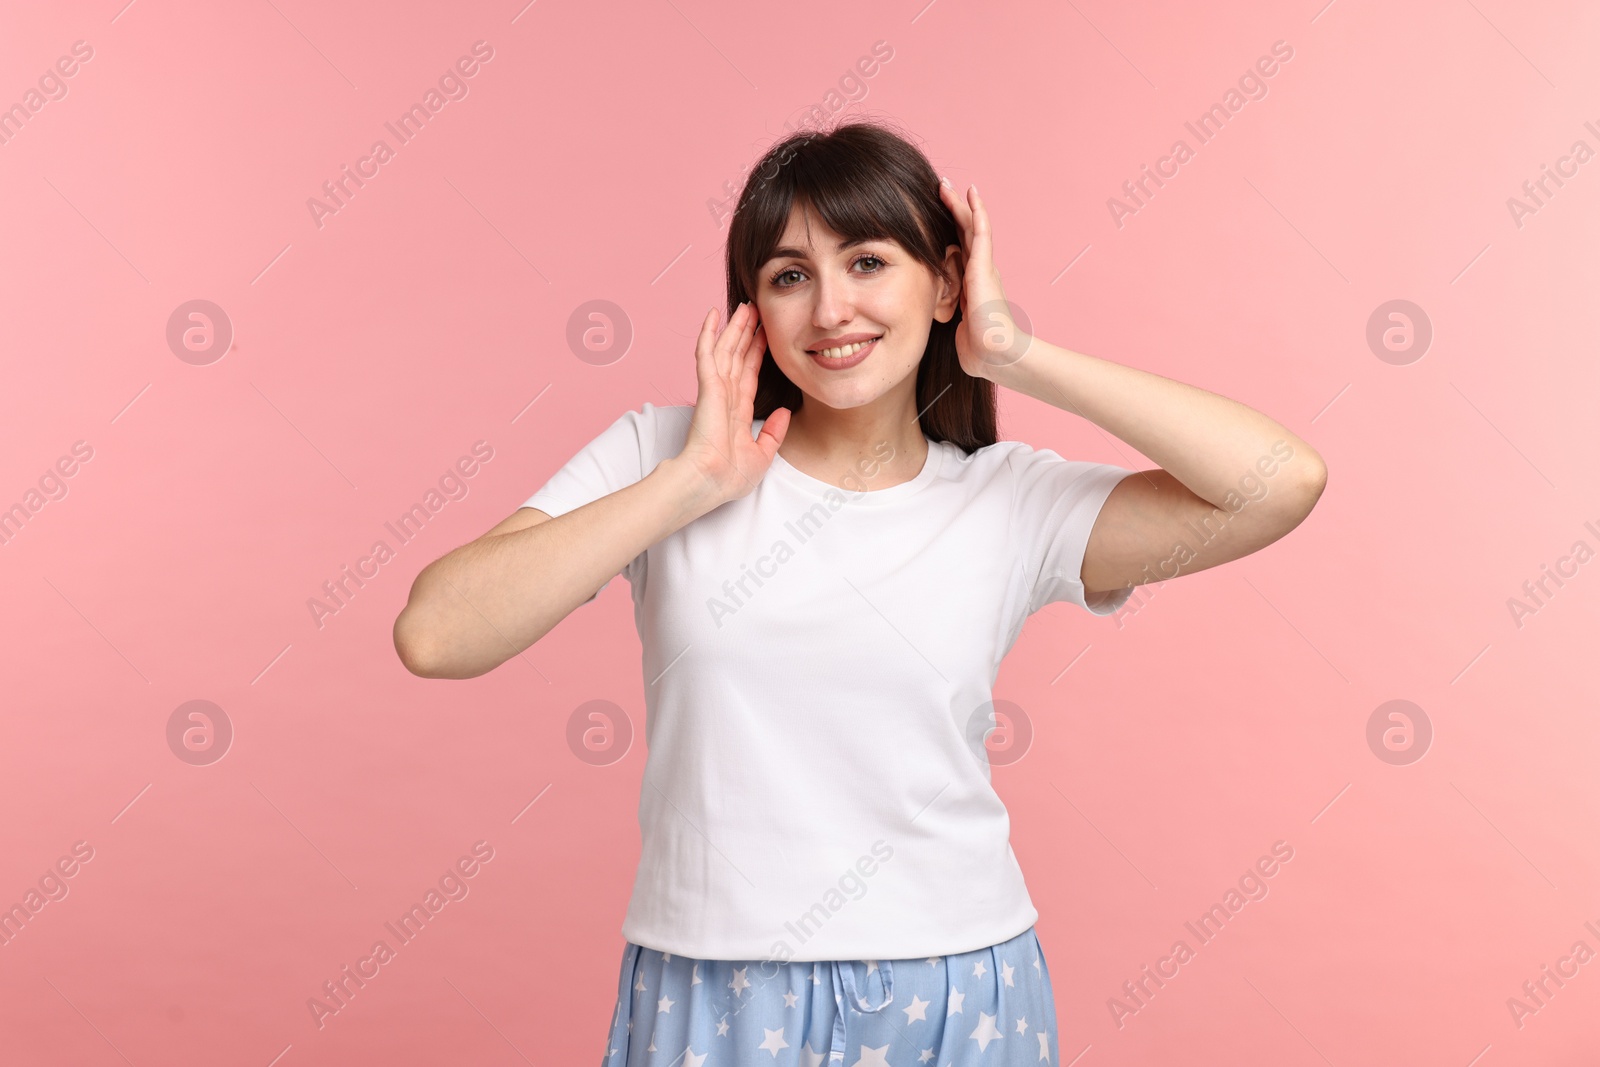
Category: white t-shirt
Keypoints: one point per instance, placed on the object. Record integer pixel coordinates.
(818, 664)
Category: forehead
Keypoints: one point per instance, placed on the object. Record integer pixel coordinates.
(805, 235)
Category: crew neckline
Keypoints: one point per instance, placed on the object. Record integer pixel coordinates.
(797, 477)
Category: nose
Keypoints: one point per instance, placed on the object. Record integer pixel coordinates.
(834, 306)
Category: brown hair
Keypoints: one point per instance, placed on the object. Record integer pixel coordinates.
(866, 182)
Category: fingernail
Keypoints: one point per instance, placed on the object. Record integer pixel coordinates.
(943, 180)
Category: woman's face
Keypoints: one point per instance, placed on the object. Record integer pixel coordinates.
(815, 295)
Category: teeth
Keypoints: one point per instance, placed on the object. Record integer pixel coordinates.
(844, 350)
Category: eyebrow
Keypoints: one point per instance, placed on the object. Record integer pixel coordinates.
(795, 253)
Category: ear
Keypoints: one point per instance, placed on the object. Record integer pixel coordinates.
(949, 285)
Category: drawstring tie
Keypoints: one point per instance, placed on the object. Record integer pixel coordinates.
(844, 981)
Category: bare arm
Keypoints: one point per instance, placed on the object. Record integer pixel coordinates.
(1229, 477)
(478, 606)
(474, 608)
(1231, 480)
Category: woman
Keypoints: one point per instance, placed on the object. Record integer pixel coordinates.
(830, 552)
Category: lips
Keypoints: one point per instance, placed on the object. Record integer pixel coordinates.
(857, 352)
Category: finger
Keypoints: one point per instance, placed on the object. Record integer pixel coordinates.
(981, 233)
(748, 358)
(733, 340)
(704, 361)
(750, 374)
(960, 209)
(773, 431)
(747, 334)
(947, 196)
(720, 360)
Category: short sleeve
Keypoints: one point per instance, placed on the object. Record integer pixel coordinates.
(1053, 512)
(617, 457)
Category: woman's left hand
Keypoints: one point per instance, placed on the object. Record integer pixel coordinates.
(989, 337)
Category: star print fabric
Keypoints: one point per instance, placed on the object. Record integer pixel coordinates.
(991, 1006)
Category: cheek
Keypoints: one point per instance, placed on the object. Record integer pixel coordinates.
(904, 365)
(773, 319)
(792, 366)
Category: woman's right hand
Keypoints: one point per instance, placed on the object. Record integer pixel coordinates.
(719, 446)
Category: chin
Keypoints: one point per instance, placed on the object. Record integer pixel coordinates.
(841, 400)
(841, 390)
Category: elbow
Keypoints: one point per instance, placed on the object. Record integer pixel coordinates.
(1310, 479)
(415, 650)
(426, 653)
(416, 665)
(1314, 481)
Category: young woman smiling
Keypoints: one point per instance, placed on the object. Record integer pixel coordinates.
(845, 428)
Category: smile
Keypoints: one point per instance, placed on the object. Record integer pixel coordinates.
(845, 355)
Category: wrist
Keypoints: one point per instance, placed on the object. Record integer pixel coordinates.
(694, 493)
(1007, 367)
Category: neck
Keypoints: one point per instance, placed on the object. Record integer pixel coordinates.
(880, 442)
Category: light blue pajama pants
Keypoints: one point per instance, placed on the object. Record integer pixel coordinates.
(991, 1006)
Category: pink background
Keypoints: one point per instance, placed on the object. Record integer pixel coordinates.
(369, 354)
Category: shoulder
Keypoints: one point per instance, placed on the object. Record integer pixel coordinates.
(662, 428)
(1037, 477)
(641, 437)
(1025, 463)
(1002, 461)
(657, 416)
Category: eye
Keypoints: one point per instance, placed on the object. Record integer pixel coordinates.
(776, 281)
